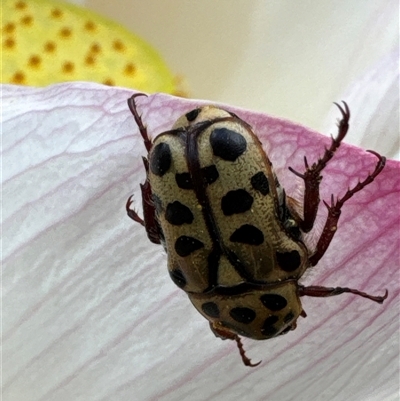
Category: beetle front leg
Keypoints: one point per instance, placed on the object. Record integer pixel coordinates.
(150, 221)
(142, 128)
(147, 142)
(334, 211)
(312, 176)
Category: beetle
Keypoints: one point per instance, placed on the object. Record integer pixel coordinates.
(233, 238)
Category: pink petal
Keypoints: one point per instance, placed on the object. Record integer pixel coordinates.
(89, 310)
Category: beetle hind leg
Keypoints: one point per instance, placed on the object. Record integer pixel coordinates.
(225, 334)
(322, 292)
(245, 359)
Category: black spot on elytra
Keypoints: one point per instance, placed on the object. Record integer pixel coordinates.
(288, 318)
(157, 203)
(178, 214)
(184, 245)
(288, 261)
(242, 315)
(227, 144)
(210, 174)
(177, 277)
(160, 159)
(268, 328)
(184, 181)
(210, 309)
(260, 183)
(192, 115)
(248, 234)
(237, 201)
(273, 302)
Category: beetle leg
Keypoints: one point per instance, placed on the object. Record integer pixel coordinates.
(150, 221)
(334, 211)
(152, 225)
(246, 361)
(142, 128)
(131, 213)
(312, 176)
(224, 334)
(321, 292)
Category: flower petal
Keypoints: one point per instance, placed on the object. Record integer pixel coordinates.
(89, 310)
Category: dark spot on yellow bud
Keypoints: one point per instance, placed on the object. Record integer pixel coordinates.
(20, 5)
(34, 61)
(56, 13)
(118, 45)
(90, 60)
(27, 20)
(9, 43)
(49, 47)
(9, 28)
(108, 82)
(18, 78)
(68, 67)
(95, 48)
(90, 26)
(66, 32)
(129, 69)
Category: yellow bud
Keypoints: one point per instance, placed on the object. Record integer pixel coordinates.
(44, 42)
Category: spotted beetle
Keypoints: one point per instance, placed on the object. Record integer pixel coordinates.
(234, 240)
